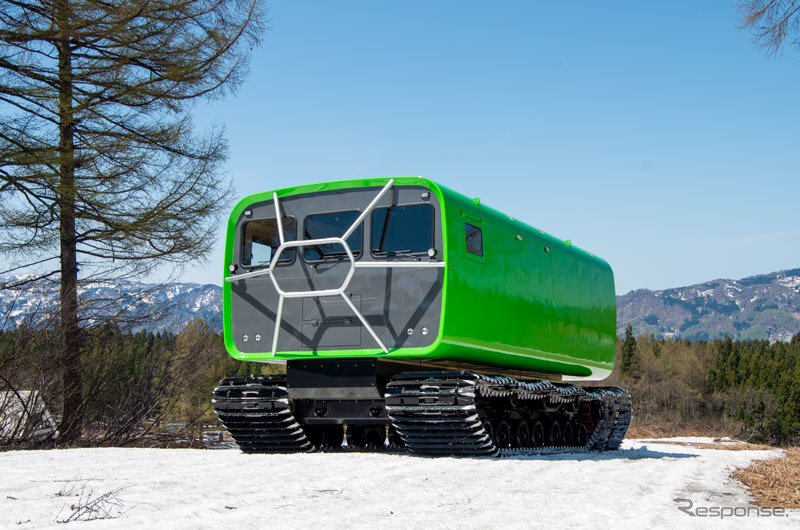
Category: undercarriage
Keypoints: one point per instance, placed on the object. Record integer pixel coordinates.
(378, 405)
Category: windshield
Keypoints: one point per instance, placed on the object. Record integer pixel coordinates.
(402, 230)
(261, 240)
(322, 225)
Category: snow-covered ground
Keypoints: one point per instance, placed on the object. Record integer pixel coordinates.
(183, 488)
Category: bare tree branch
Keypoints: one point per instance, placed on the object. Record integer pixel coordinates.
(772, 23)
(100, 164)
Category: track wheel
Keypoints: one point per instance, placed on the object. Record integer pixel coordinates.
(487, 426)
(522, 434)
(581, 435)
(537, 434)
(568, 434)
(554, 434)
(502, 433)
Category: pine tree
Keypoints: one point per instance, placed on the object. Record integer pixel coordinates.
(630, 360)
(100, 167)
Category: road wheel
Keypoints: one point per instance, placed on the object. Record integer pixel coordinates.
(522, 434)
(537, 434)
(554, 434)
(568, 434)
(502, 433)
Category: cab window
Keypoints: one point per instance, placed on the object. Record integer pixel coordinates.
(261, 240)
(402, 230)
(322, 225)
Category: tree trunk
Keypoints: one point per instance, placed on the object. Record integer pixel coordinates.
(72, 420)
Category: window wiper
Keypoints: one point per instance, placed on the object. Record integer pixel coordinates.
(393, 253)
(334, 255)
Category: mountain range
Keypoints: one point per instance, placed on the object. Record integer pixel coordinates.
(167, 307)
(763, 307)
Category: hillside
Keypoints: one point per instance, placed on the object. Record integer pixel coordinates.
(145, 306)
(764, 307)
(758, 307)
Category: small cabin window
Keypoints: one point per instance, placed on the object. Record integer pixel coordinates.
(474, 239)
(402, 230)
(261, 240)
(322, 225)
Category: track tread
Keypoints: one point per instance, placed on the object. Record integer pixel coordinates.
(256, 411)
(433, 413)
(438, 413)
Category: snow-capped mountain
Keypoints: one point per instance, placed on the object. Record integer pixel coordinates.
(758, 307)
(154, 307)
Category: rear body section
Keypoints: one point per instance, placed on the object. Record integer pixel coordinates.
(429, 278)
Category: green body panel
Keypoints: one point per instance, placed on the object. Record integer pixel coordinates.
(531, 302)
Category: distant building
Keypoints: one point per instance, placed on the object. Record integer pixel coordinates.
(24, 416)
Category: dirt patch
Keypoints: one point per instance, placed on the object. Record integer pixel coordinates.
(670, 430)
(717, 444)
(774, 483)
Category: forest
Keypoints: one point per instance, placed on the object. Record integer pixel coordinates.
(140, 388)
(149, 388)
(746, 389)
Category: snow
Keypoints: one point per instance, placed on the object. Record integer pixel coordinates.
(24, 413)
(185, 488)
(41, 300)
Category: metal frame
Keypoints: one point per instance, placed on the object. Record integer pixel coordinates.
(340, 291)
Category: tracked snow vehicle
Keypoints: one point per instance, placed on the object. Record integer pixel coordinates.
(410, 316)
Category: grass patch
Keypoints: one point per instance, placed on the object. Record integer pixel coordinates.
(774, 483)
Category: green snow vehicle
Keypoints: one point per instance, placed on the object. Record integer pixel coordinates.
(410, 316)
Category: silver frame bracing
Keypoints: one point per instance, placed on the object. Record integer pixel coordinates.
(340, 291)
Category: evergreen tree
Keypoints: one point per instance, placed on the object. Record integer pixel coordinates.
(100, 167)
(630, 361)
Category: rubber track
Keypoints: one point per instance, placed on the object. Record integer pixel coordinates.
(437, 413)
(256, 411)
(622, 419)
(434, 413)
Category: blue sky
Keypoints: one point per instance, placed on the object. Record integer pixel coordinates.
(655, 135)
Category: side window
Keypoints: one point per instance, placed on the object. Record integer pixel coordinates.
(474, 239)
(260, 240)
